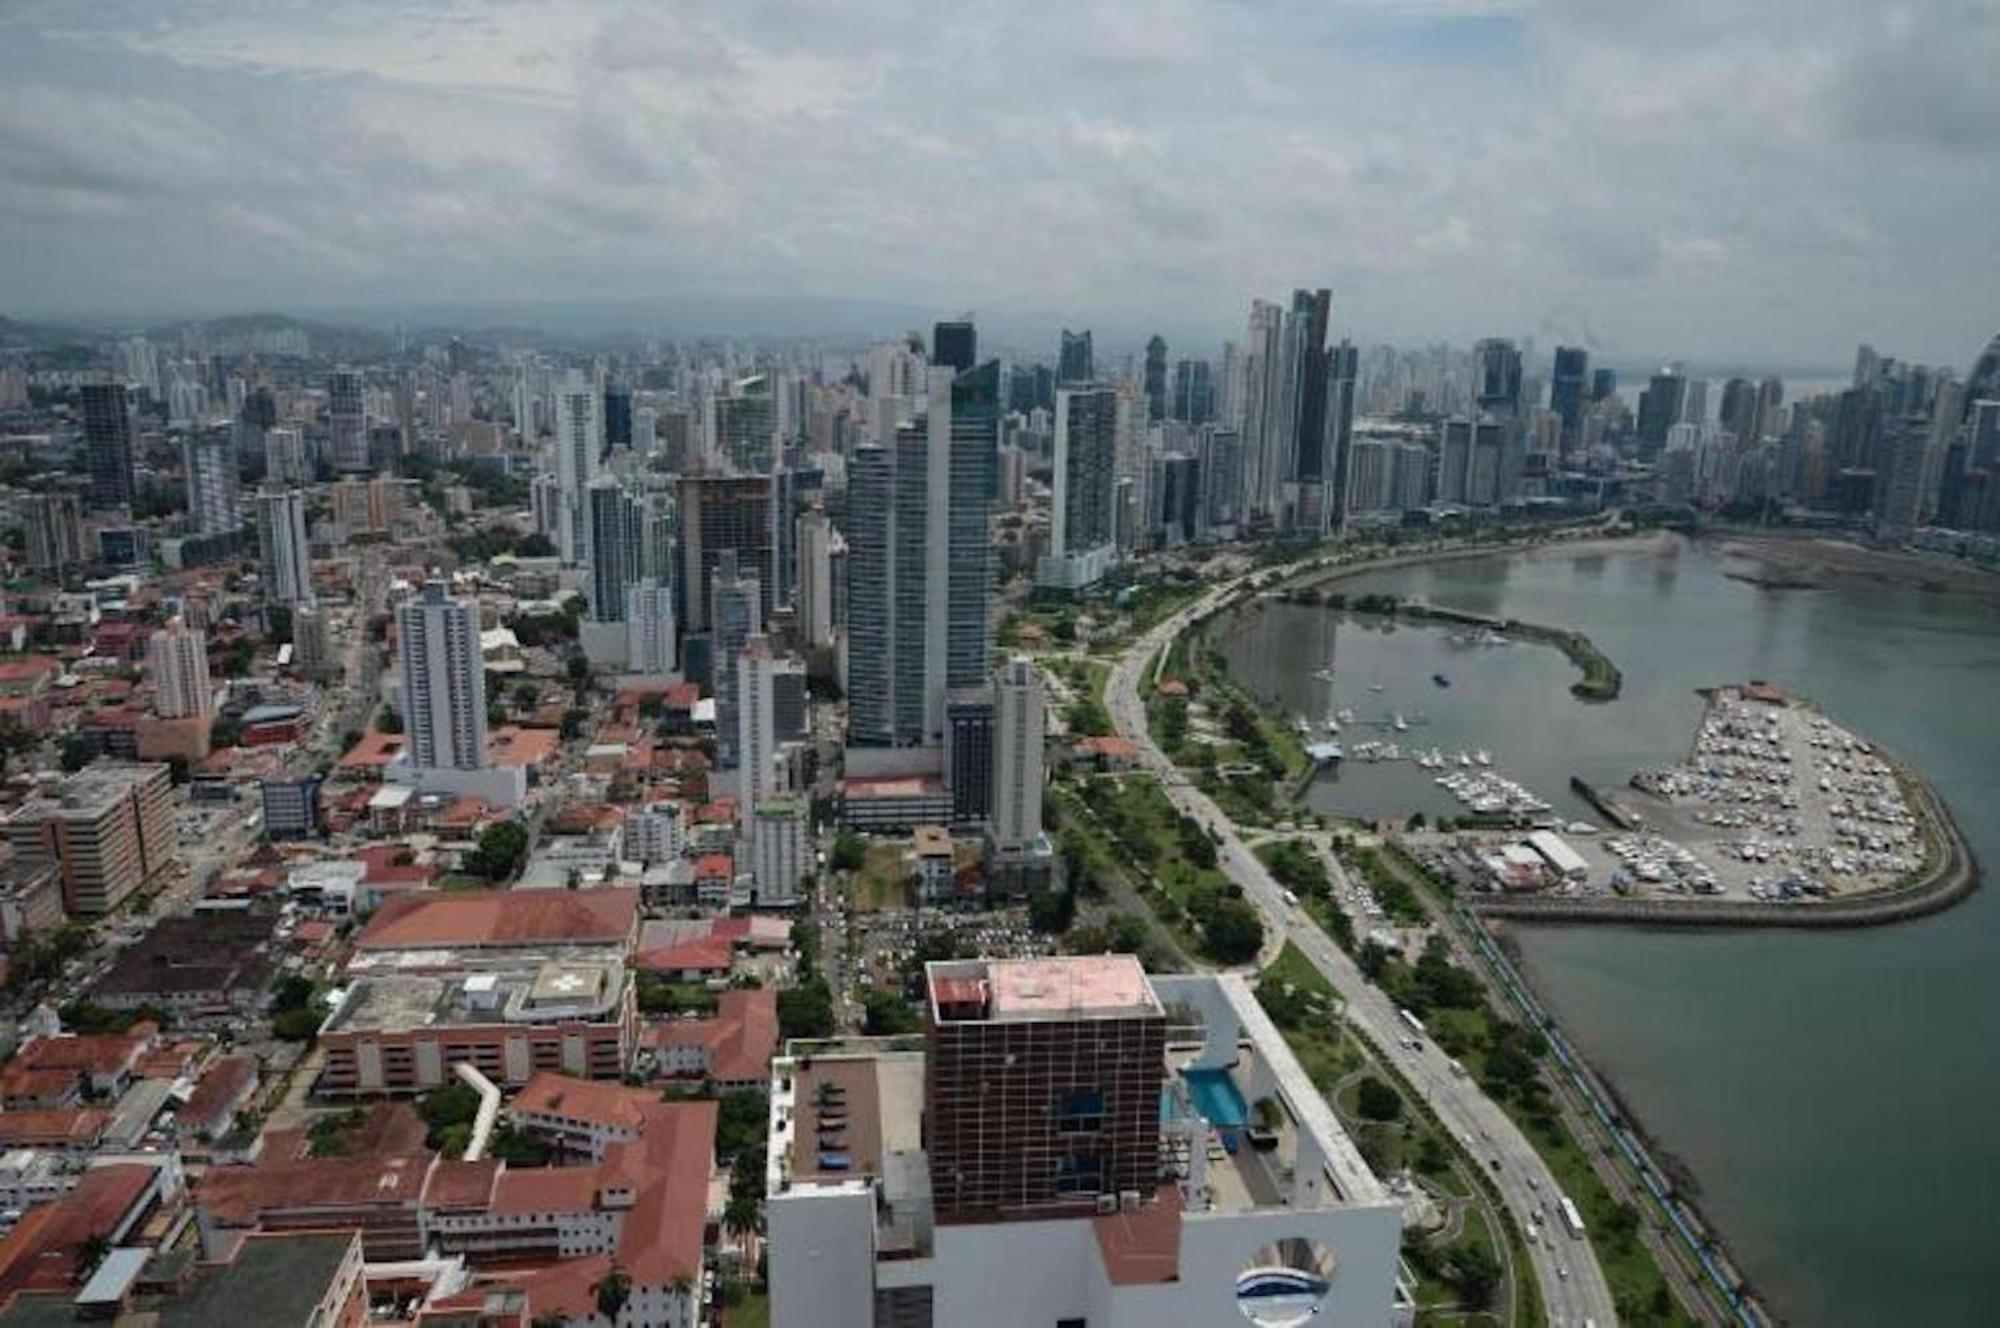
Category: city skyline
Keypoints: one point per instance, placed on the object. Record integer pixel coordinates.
(1747, 208)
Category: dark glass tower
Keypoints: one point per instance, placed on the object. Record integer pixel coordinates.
(955, 344)
(107, 440)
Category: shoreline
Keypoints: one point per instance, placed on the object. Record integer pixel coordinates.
(1794, 561)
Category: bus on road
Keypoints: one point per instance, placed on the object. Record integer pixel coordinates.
(1571, 1218)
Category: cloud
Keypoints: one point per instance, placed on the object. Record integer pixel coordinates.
(1703, 179)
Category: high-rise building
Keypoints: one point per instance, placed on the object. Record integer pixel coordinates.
(1305, 385)
(1219, 450)
(282, 547)
(53, 525)
(1193, 400)
(617, 415)
(313, 655)
(779, 852)
(616, 545)
(1739, 409)
(1343, 372)
(888, 506)
(108, 829)
(1603, 384)
(720, 513)
(737, 600)
(579, 448)
(1567, 392)
(444, 680)
(1019, 724)
(1264, 410)
(213, 504)
(108, 444)
(1082, 535)
(1074, 364)
(650, 639)
(1496, 368)
(746, 426)
(968, 755)
(346, 421)
(1660, 408)
(955, 345)
(964, 436)
(1155, 381)
(764, 679)
(177, 662)
(286, 461)
(815, 578)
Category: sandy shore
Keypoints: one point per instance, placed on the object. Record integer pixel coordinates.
(1806, 562)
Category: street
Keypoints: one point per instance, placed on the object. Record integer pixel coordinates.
(1572, 1284)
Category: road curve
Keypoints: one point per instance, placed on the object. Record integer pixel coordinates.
(1573, 1288)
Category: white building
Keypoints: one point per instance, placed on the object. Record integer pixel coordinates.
(657, 832)
(579, 444)
(778, 849)
(650, 638)
(444, 701)
(177, 660)
(815, 579)
(282, 544)
(856, 1241)
(1018, 729)
(213, 504)
(285, 459)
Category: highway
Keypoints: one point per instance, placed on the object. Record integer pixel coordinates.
(1573, 1288)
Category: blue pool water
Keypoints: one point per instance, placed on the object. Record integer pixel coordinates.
(1217, 1098)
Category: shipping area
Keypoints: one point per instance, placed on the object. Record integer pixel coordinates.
(1774, 805)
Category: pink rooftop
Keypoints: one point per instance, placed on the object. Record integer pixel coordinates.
(1069, 986)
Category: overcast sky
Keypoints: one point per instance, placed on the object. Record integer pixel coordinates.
(1765, 180)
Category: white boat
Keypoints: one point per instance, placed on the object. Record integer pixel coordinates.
(1344, 715)
(1375, 687)
(1483, 756)
(1464, 760)
(1398, 723)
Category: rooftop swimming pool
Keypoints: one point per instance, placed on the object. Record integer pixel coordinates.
(1217, 1099)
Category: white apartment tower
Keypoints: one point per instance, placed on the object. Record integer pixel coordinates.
(177, 660)
(579, 445)
(213, 504)
(1018, 726)
(281, 538)
(444, 682)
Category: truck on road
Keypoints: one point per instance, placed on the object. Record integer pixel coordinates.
(1572, 1219)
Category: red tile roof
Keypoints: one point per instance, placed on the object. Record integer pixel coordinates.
(461, 1185)
(63, 1127)
(501, 918)
(374, 751)
(236, 1196)
(1143, 1245)
(220, 1088)
(706, 954)
(42, 1254)
(545, 1190)
(593, 1100)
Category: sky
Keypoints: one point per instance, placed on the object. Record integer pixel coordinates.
(1769, 181)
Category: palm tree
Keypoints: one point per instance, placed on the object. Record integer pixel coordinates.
(741, 1219)
(613, 1292)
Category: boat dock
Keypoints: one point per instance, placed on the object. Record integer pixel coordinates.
(1603, 804)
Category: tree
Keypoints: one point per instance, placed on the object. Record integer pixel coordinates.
(534, 544)
(500, 851)
(887, 1014)
(526, 695)
(849, 852)
(388, 721)
(1051, 909)
(1232, 931)
(1376, 1100)
(77, 752)
(806, 1011)
(613, 1292)
(90, 1252)
(1474, 1272)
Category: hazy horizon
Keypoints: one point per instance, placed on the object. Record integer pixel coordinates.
(1708, 182)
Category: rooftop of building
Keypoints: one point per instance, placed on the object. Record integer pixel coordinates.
(272, 1279)
(522, 987)
(1048, 987)
(501, 918)
(235, 1196)
(203, 951)
(93, 790)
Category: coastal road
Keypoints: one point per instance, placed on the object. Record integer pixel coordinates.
(1573, 1288)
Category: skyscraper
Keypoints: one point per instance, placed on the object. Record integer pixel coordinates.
(1264, 426)
(209, 460)
(1659, 410)
(578, 448)
(282, 547)
(177, 661)
(1156, 378)
(888, 508)
(1073, 360)
(1567, 388)
(815, 579)
(720, 513)
(53, 525)
(1496, 368)
(616, 535)
(1739, 409)
(649, 628)
(964, 436)
(1343, 370)
(285, 460)
(737, 600)
(617, 415)
(1304, 387)
(107, 440)
(346, 421)
(1018, 730)
(746, 425)
(444, 685)
(955, 344)
(1082, 536)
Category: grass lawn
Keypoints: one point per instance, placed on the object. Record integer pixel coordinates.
(883, 881)
(753, 1311)
(461, 881)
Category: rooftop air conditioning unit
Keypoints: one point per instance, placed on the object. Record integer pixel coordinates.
(1107, 1203)
(1128, 1200)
